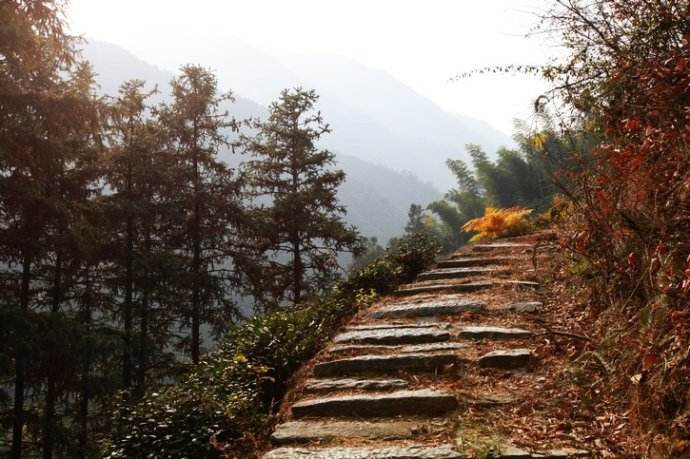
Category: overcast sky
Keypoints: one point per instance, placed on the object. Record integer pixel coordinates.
(422, 43)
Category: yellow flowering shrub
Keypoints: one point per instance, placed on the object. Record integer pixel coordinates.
(499, 223)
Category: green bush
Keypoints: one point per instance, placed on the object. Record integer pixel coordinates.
(403, 260)
(282, 340)
(220, 399)
(413, 253)
(228, 396)
(381, 275)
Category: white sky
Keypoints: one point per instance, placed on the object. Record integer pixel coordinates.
(420, 42)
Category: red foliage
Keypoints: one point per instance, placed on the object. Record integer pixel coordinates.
(629, 75)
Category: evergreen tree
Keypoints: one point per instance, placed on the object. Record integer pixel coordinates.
(205, 193)
(415, 219)
(143, 266)
(74, 145)
(43, 120)
(300, 218)
(369, 250)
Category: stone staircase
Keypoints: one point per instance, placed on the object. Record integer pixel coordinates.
(395, 383)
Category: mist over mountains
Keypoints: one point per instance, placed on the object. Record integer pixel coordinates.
(382, 129)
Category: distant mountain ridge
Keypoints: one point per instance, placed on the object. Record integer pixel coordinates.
(374, 116)
(377, 197)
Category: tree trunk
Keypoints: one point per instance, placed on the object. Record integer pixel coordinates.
(144, 324)
(296, 270)
(297, 267)
(51, 395)
(20, 368)
(196, 258)
(129, 287)
(84, 395)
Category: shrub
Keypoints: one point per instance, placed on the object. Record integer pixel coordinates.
(381, 275)
(413, 253)
(220, 399)
(499, 223)
(225, 402)
(282, 340)
(403, 260)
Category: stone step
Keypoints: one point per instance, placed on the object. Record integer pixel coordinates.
(418, 452)
(363, 364)
(462, 261)
(397, 335)
(491, 332)
(442, 308)
(512, 246)
(506, 359)
(529, 307)
(511, 452)
(391, 452)
(454, 273)
(423, 402)
(411, 348)
(388, 326)
(307, 431)
(332, 385)
(410, 289)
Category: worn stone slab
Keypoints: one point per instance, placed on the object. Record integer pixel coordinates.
(443, 308)
(518, 283)
(501, 246)
(411, 348)
(467, 287)
(454, 273)
(423, 402)
(506, 359)
(510, 452)
(305, 431)
(466, 262)
(432, 347)
(394, 326)
(362, 348)
(331, 385)
(491, 332)
(398, 335)
(400, 452)
(565, 453)
(363, 364)
(526, 307)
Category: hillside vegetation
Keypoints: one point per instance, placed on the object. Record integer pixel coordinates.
(135, 222)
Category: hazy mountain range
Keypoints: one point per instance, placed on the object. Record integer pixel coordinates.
(381, 128)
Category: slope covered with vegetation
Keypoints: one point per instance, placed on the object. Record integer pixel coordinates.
(126, 236)
(620, 104)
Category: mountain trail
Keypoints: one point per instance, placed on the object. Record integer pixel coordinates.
(456, 365)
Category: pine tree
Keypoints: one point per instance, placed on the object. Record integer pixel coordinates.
(415, 219)
(136, 170)
(37, 122)
(204, 191)
(300, 218)
(73, 144)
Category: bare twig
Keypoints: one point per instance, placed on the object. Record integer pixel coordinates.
(552, 331)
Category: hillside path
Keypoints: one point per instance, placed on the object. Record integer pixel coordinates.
(454, 365)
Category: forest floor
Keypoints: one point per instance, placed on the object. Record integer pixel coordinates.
(486, 356)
